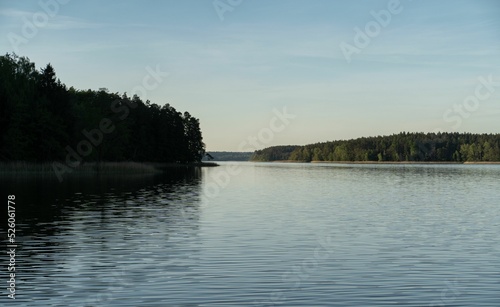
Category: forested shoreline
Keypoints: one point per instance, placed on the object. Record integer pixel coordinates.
(402, 147)
(42, 120)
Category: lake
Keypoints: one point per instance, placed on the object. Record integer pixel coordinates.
(259, 234)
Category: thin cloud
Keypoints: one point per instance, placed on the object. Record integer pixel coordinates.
(58, 22)
(13, 13)
(68, 23)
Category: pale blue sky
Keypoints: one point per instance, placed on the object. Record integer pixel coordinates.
(232, 73)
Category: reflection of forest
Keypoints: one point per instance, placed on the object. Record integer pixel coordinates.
(95, 235)
(43, 201)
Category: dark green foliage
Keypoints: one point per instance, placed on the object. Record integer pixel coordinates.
(415, 147)
(40, 119)
(276, 153)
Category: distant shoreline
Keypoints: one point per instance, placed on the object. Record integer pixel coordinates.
(379, 162)
(481, 163)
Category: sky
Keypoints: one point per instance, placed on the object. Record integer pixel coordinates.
(260, 73)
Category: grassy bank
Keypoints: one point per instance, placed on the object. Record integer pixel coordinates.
(93, 167)
(389, 162)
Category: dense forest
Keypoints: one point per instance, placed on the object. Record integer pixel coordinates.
(43, 120)
(275, 153)
(419, 147)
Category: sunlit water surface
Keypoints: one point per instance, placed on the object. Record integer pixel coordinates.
(260, 235)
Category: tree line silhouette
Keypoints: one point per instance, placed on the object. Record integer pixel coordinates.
(418, 147)
(42, 120)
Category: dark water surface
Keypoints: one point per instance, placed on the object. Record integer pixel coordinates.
(259, 235)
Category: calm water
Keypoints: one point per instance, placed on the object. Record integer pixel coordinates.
(261, 235)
